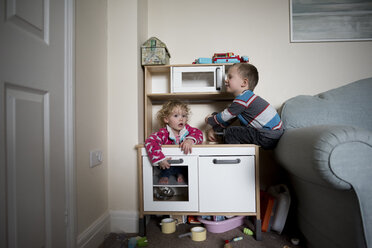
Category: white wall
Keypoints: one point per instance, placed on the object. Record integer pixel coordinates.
(192, 29)
(91, 118)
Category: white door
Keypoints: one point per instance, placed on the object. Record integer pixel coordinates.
(34, 156)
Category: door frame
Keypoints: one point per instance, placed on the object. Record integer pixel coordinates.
(69, 86)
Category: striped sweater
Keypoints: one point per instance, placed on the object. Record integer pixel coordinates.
(251, 110)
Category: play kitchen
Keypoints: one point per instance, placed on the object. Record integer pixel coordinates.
(219, 179)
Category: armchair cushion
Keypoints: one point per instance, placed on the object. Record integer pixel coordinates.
(349, 105)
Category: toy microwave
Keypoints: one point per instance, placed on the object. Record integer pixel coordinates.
(197, 79)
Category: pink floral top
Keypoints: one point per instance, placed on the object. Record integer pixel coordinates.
(166, 137)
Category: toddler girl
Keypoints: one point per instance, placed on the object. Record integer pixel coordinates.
(173, 118)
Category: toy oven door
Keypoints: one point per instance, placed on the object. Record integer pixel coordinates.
(173, 196)
(197, 79)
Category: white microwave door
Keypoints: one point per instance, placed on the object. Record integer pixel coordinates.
(197, 79)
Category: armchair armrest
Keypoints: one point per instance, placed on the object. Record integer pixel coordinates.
(333, 156)
(329, 155)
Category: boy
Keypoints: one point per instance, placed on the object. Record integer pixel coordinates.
(260, 123)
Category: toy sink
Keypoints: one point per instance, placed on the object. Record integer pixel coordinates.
(222, 226)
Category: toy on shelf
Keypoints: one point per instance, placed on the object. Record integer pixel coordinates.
(155, 52)
(225, 58)
(219, 58)
(203, 61)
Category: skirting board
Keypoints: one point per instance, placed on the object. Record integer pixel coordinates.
(124, 221)
(94, 235)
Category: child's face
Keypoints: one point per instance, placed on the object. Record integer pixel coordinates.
(177, 119)
(234, 83)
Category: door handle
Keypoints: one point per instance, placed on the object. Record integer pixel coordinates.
(226, 161)
(175, 161)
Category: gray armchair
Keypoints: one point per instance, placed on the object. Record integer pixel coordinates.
(327, 151)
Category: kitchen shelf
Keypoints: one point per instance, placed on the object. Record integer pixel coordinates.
(195, 96)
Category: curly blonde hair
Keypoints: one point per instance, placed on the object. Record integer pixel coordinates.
(168, 107)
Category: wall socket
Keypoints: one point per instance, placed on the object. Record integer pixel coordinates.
(96, 158)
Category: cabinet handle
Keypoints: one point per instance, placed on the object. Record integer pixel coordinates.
(175, 161)
(226, 161)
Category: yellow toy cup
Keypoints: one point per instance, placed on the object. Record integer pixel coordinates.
(168, 225)
(198, 233)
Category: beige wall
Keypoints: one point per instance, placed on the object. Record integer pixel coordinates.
(194, 28)
(123, 99)
(91, 110)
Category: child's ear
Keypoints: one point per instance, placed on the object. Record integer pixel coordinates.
(245, 82)
(165, 120)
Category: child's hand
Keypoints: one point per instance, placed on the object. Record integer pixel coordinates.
(186, 146)
(211, 136)
(164, 164)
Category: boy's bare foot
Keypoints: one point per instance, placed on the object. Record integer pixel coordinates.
(180, 178)
(163, 180)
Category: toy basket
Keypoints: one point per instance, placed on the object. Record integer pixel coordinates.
(222, 226)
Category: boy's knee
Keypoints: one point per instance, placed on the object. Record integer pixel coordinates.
(233, 135)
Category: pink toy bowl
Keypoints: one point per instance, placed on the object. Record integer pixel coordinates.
(222, 226)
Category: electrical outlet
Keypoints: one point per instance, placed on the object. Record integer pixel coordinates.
(96, 158)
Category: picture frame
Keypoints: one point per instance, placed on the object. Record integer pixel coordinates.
(330, 20)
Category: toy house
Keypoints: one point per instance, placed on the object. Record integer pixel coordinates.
(155, 52)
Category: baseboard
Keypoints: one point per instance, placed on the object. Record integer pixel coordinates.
(124, 221)
(94, 235)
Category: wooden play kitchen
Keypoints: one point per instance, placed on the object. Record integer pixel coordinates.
(221, 179)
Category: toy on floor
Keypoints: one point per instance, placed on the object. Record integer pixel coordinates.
(247, 231)
(222, 226)
(234, 239)
(137, 242)
(192, 220)
(197, 233)
(227, 242)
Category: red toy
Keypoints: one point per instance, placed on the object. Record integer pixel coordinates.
(229, 58)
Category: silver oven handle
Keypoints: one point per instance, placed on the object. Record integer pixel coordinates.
(175, 161)
(226, 161)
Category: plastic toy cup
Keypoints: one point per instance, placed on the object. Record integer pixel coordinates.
(198, 233)
(168, 225)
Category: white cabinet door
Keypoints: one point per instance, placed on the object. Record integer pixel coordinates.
(172, 196)
(227, 184)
